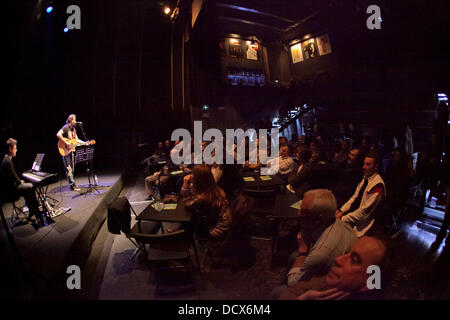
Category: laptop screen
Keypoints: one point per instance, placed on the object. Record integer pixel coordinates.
(38, 162)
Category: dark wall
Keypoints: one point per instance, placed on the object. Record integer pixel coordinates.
(401, 64)
(205, 72)
(280, 68)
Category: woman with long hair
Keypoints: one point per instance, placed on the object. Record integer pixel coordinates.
(206, 202)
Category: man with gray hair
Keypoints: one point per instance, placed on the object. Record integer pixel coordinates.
(321, 238)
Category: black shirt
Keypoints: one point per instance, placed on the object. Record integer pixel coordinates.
(69, 133)
(8, 176)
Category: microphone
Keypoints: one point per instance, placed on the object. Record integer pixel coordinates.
(77, 122)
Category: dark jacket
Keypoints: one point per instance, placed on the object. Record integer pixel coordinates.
(348, 179)
(8, 179)
(300, 181)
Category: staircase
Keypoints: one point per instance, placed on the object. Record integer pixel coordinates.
(286, 120)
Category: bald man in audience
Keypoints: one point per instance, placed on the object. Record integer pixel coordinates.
(321, 238)
(348, 278)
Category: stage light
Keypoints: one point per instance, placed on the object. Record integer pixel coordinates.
(167, 10)
(205, 107)
(66, 29)
(49, 9)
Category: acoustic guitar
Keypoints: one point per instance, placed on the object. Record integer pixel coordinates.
(64, 149)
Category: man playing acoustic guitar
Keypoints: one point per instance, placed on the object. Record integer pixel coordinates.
(68, 140)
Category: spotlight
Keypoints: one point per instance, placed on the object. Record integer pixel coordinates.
(49, 9)
(167, 10)
(66, 29)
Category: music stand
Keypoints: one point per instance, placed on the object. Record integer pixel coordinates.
(86, 154)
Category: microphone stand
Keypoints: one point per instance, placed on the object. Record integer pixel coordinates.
(89, 168)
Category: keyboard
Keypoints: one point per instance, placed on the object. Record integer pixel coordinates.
(40, 173)
(40, 178)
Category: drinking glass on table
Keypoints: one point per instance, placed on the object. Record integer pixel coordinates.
(159, 206)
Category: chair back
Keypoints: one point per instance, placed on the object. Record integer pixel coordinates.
(166, 246)
(262, 201)
(119, 216)
(164, 241)
(203, 217)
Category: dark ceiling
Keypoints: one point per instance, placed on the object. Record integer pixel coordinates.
(269, 20)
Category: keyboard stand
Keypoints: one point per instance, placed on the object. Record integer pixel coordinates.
(48, 209)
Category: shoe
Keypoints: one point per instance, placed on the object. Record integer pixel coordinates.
(75, 188)
(29, 217)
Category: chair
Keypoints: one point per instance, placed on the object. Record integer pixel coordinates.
(119, 220)
(166, 248)
(200, 224)
(263, 205)
(264, 199)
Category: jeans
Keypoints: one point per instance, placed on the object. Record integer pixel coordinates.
(69, 167)
(153, 180)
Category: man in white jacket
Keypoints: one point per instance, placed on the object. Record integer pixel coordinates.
(360, 209)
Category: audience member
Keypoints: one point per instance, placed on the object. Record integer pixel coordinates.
(321, 238)
(354, 135)
(360, 209)
(12, 186)
(341, 134)
(397, 180)
(283, 141)
(156, 181)
(301, 140)
(167, 147)
(348, 278)
(348, 177)
(316, 153)
(159, 150)
(206, 202)
(340, 154)
(259, 154)
(298, 179)
(284, 162)
(365, 145)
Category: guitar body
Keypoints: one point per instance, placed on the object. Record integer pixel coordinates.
(64, 149)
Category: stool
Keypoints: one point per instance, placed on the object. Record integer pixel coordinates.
(17, 214)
